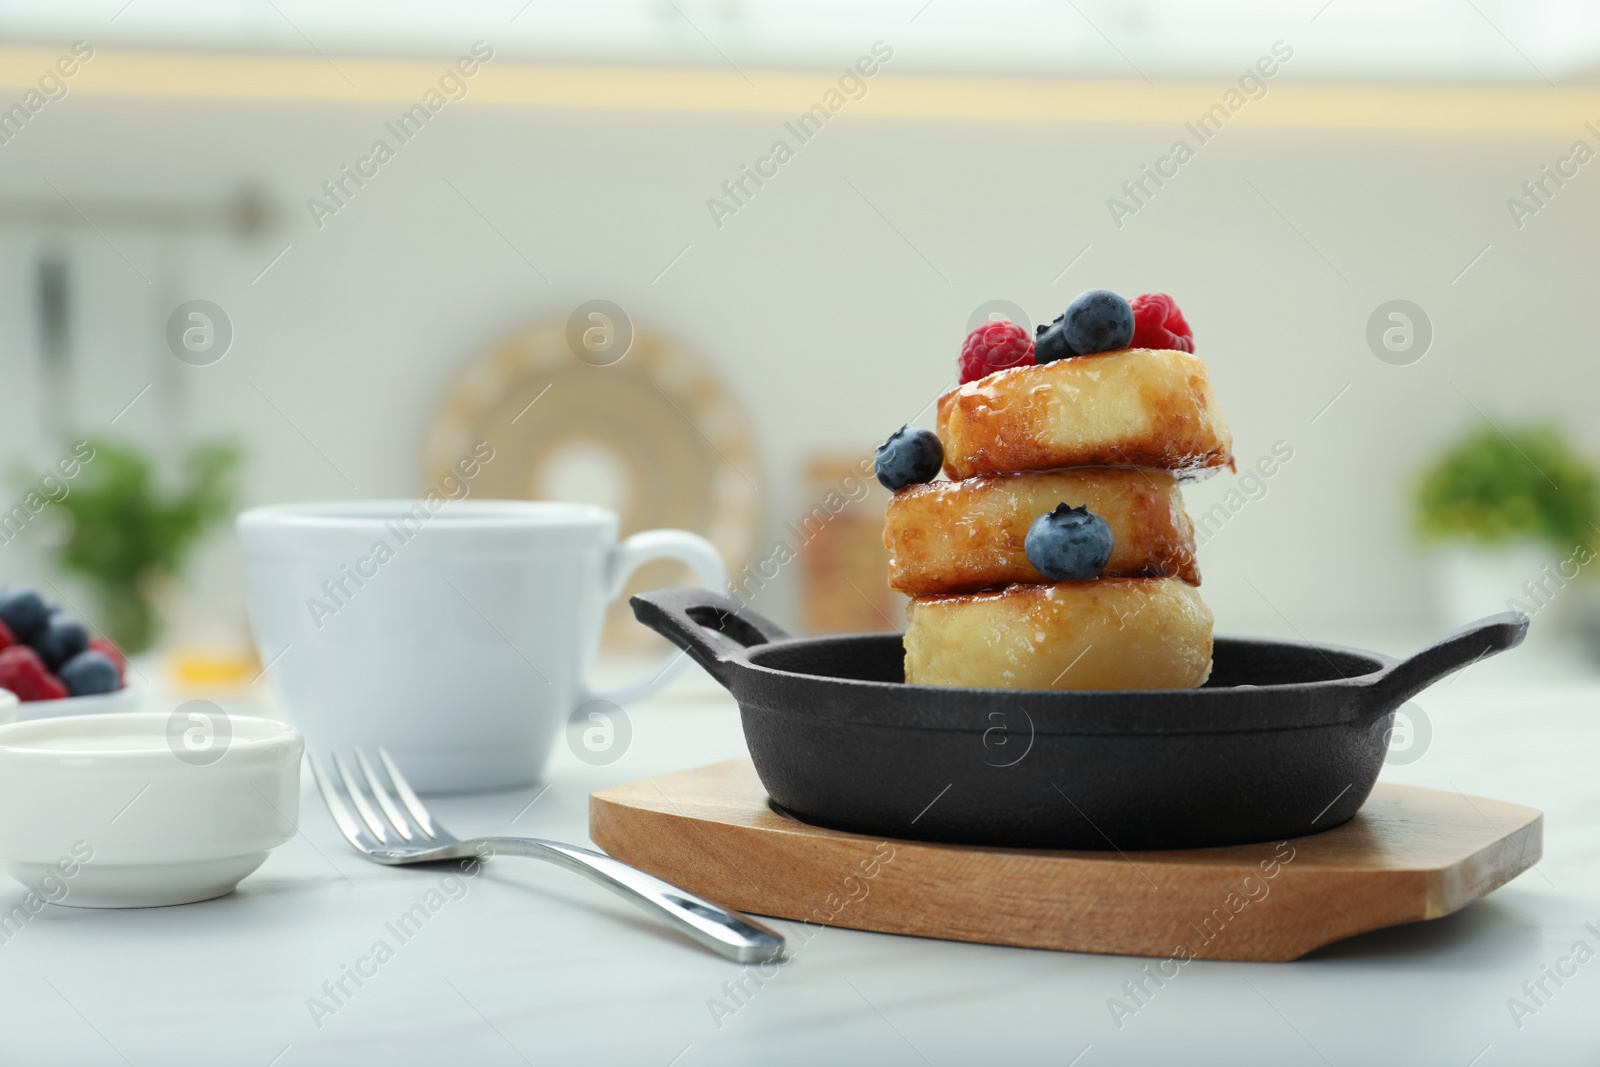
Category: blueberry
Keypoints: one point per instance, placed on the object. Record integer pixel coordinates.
(1051, 343)
(89, 674)
(61, 639)
(1069, 544)
(1098, 321)
(23, 611)
(909, 457)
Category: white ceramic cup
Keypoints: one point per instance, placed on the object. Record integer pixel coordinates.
(457, 638)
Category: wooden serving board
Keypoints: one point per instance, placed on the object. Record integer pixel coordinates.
(1410, 854)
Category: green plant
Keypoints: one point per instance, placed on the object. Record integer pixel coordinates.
(128, 532)
(1524, 485)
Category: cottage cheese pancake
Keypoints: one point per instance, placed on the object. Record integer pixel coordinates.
(1134, 406)
(1108, 633)
(961, 537)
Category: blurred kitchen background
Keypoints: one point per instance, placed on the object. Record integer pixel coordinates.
(1432, 457)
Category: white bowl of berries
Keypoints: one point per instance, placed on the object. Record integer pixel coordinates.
(52, 666)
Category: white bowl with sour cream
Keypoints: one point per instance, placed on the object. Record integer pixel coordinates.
(144, 809)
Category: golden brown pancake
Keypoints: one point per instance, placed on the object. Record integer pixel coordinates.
(1141, 407)
(960, 537)
(1110, 633)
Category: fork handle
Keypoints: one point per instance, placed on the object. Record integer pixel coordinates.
(727, 933)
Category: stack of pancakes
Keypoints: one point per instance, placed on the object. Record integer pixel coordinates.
(1113, 432)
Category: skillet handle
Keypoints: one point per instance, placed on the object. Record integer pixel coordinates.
(1466, 646)
(714, 629)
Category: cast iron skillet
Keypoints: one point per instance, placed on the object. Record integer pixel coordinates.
(1285, 739)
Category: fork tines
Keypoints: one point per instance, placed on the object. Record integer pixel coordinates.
(405, 822)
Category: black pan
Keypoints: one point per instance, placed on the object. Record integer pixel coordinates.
(1285, 739)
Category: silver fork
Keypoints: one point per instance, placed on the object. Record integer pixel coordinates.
(397, 839)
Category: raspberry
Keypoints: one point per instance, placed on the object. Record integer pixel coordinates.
(112, 653)
(1157, 323)
(994, 346)
(24, 673)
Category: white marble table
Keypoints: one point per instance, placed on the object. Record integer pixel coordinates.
(528, 964)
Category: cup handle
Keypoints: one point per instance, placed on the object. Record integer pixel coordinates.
(629, 556)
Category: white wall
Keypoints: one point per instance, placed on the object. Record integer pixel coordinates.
(828, 324)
